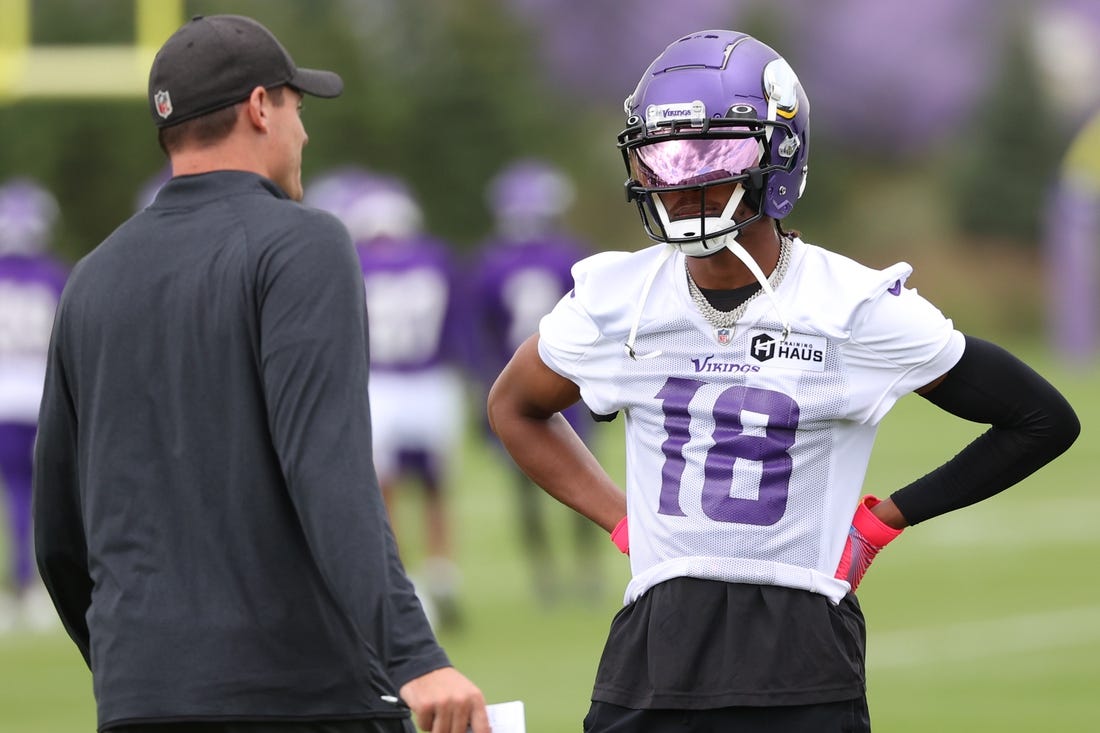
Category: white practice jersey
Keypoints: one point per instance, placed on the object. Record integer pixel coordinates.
(745, 454)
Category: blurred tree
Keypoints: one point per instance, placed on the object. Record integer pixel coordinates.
(83, 151)
(82, 21)
(90, 155)
(890, 80)
(438, 92)
(444, 93)
(1008, 160)
(597, 49)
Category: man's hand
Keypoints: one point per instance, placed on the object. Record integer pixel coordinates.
(867, 535)
(444, 701)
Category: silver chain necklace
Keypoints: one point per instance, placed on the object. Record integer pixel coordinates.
(728, 319)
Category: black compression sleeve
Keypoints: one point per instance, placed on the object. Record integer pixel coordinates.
(1031, 423)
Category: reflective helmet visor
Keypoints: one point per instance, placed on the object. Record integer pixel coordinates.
(693, 161)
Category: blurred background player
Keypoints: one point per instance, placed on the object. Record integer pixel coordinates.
(417, 337)
(31, 281)
(522, 270)
(1070, 244)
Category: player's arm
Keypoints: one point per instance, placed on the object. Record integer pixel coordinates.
(887, 511)
(1031, 424)
(524, 409)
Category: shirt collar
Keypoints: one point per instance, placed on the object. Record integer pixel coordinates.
(202, 187)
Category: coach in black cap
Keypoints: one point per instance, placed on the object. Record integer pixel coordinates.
(208, 520)
(213, 62)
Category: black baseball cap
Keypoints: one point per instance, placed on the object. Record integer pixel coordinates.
(217, 60)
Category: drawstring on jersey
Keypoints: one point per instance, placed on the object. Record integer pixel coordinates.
(665, 254)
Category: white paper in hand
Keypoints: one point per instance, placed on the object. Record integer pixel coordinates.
(507, 717)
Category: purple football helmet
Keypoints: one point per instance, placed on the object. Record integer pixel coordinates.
(528, 198)
(27, 216)
(369, 204)
(715, 108)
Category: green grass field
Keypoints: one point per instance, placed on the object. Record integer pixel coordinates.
(984, 620)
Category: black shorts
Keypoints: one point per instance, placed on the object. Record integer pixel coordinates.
(692, 644)
(846, 716)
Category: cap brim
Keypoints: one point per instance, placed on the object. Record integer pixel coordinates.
(317, 83)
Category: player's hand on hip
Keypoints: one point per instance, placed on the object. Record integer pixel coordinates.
(444, 701)
(867, 535)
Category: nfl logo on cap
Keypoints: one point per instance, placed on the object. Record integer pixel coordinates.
(163, 103)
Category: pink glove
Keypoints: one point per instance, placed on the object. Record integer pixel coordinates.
(867, 535)
(621, 537)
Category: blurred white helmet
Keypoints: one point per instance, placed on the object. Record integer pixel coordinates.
(369, 204)
(528, 198)
(28, 213)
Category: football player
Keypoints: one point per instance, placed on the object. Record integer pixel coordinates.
(520, 272)
(752, 369)
(31, 281)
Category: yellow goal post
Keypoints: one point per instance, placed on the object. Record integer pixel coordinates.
(74, 71)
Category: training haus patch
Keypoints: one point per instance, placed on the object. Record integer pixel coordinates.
(803, 352)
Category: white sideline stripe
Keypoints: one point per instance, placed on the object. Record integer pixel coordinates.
(980, 639)
(1022, 524)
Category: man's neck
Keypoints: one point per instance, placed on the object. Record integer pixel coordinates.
(724, 271)
(220, 157)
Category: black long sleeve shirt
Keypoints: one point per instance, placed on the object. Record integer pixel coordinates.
(208, 520)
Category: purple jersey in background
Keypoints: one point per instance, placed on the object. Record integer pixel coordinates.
(413, 303)
(31, 282)
(30, 286)
(524, 269)
(412, 279)
(519, 274)
(515, 284)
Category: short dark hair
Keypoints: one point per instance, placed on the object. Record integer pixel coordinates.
(208, 129)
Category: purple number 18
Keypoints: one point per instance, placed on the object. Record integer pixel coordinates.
(730, 444)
